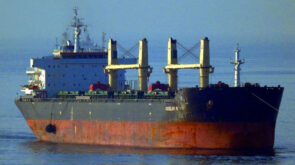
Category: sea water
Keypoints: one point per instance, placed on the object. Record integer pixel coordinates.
(265, 65)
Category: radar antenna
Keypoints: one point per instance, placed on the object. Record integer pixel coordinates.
(77, 24)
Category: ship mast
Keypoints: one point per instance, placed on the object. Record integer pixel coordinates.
(103, 41)
(237, 62)
(76, 24)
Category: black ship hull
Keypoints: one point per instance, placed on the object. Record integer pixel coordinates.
(215, 117)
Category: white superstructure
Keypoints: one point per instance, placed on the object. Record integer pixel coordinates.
(72, 67)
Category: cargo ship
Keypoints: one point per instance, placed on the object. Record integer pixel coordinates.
(80, 96)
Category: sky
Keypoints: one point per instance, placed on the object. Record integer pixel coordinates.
(37, 23)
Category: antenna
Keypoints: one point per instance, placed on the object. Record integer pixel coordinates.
(64, 38)
(75, 11)
(103, 41)
(56, 43)
(85, 29)
(77, 24)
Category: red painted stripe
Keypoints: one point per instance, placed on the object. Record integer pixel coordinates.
(82, 53)
(158, 134)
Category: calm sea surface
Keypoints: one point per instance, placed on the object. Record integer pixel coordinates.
(19, 146)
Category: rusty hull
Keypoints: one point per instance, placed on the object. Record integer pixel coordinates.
(212, 118)
(210, 135)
